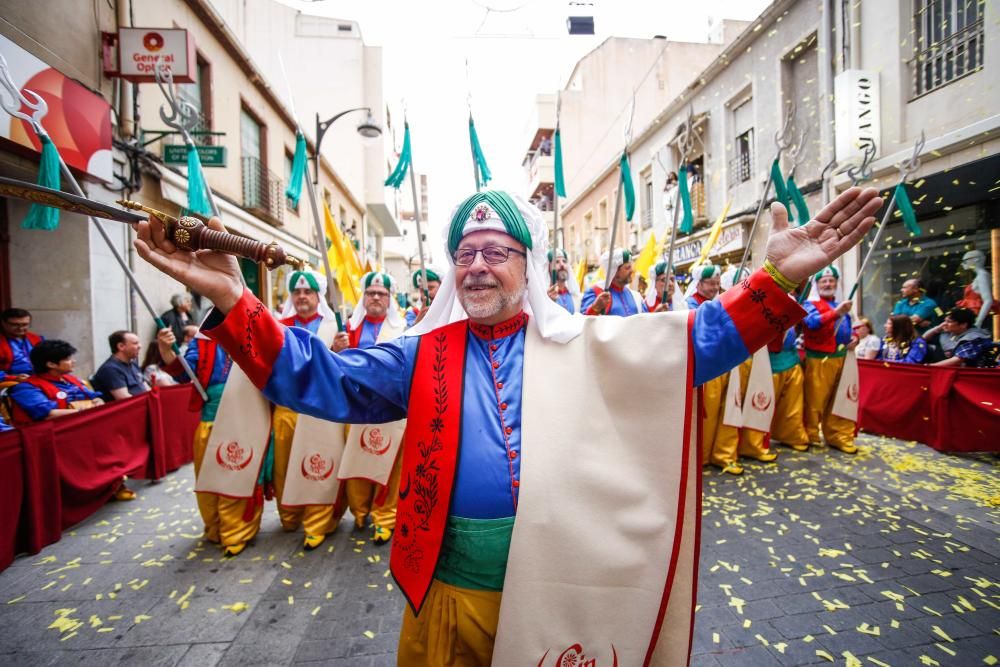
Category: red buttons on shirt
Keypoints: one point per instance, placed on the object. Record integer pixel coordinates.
(516, 483)
(513, 455)
(493, 347)
(508, 430)
(503, 406)
(496, 364)
(499, 385)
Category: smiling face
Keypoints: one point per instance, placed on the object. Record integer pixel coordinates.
(491, 293)
(129, 348)
(306, 302)
(708, 288)
(827, 287)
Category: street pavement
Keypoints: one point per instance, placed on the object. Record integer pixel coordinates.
(886, 558)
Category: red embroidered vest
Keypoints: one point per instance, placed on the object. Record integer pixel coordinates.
(823, 339)
(430, 459)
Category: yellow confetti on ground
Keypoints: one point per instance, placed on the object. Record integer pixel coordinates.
(286, 565)
(715, 637)
(808, 638)
(851, 659)
(369, 634)
(945, 648)
(878, 662)
(823, 654)
(236, 607)
(927, 660)
(316, 610)
(941, 633)
(140, 618)
(990, 660)
(869, 630)
(17, 599)
(291, 599)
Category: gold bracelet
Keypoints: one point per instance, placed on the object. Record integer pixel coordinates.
(783, 282)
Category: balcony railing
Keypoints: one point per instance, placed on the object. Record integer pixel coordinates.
(951, 58)
(263, 192)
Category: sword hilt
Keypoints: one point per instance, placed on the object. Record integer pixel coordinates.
(190, 233)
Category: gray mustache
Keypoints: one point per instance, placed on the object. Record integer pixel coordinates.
(479, 283)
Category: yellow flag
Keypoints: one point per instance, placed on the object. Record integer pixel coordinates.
(349, 287)
(713, 236)
(647, 257)
(581, 272)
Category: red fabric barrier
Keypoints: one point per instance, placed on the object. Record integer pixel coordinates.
(950, 409)
(56, 473)
(11, 492)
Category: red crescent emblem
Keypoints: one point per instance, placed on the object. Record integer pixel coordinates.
(760, 401)
(374, 441)
(852, 392)
(233, 453)
(575, 657)
(316, 477)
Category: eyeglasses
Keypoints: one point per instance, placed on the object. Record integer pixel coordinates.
(376, 295)
(492, 254)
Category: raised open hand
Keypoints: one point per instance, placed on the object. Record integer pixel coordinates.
(802, 251)
(213, 274)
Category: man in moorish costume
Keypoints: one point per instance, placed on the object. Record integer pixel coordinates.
(295, 450)
(433, 283)
(660, 283)
(223, 517)
(787, 426)
(562, 289)
(371, 456)
(827, 335)
(491, 381)
(620, 299)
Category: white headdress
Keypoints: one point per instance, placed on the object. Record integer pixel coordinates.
(307, 279)
(392, 311)
(677, 301)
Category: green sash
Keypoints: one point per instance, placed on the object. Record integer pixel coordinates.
(474, 553)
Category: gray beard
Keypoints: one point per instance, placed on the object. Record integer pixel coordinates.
(479, 310)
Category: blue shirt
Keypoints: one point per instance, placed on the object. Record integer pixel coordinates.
(115, 374)
(220, 368)
(565, 299)
(369, 333)
(622, 302)
(37, 405)
(923, 306)
(913, 353)
(20, 349)
(411, 317)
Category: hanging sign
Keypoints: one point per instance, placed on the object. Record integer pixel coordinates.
(142, 50)
(856, 113)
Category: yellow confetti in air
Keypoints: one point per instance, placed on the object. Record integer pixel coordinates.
(369, 634)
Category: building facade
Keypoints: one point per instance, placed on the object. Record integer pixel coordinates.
(240, 112)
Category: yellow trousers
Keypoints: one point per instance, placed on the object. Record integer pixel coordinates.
(787, 426)
(223, 517)
(314, 519)
(456, 626)
(361, 495)
(821, 378)
(720, 443)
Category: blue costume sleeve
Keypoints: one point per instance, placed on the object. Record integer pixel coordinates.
(370, 386)
(917, 352)
(588, 299)
(410, 317)
(811, 319)
(32, 400)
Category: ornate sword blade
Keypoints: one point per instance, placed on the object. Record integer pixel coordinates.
(36, 194)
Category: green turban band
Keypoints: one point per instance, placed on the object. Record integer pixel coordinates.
(491, 209)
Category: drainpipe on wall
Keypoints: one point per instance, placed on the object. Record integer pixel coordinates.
(827, 47)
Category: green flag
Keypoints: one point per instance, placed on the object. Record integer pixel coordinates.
(45, 217)
(294, 189)
(560, 178)
(484, 174)
(799, 201)
(780, 193)
(687, 222)
(906, 210)
(628, 187)
(399, 173)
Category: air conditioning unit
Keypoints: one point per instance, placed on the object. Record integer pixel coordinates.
(580, 25)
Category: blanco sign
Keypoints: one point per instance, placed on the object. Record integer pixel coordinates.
(142, 50)
(857, 113)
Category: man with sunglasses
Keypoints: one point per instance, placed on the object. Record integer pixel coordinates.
(370, 466)
(492, 381)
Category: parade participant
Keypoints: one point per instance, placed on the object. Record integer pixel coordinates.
(745, 426)
(293, 445)
(370, 465)
(563, 291)
(120, 377)
(223, 517)
(786, 371)
(660, 283)
(827, 335)
(901, 343)
(53, 391)
(620, 299)
(706, 285)
(16, 343)
(433, 283)
(4, 426)
(492, 380)
(916, 305)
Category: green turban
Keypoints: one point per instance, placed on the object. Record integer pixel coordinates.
(432, 276)
(829, 271)
(491, 209)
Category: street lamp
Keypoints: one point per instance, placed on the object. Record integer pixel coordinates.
(368, 129)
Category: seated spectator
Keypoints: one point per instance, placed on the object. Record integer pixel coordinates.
(152, 367)
(901, 343)
(52, 390)
(119, 377)
(962, 343)
(179, 314)
(868, 343)
(16, 343)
